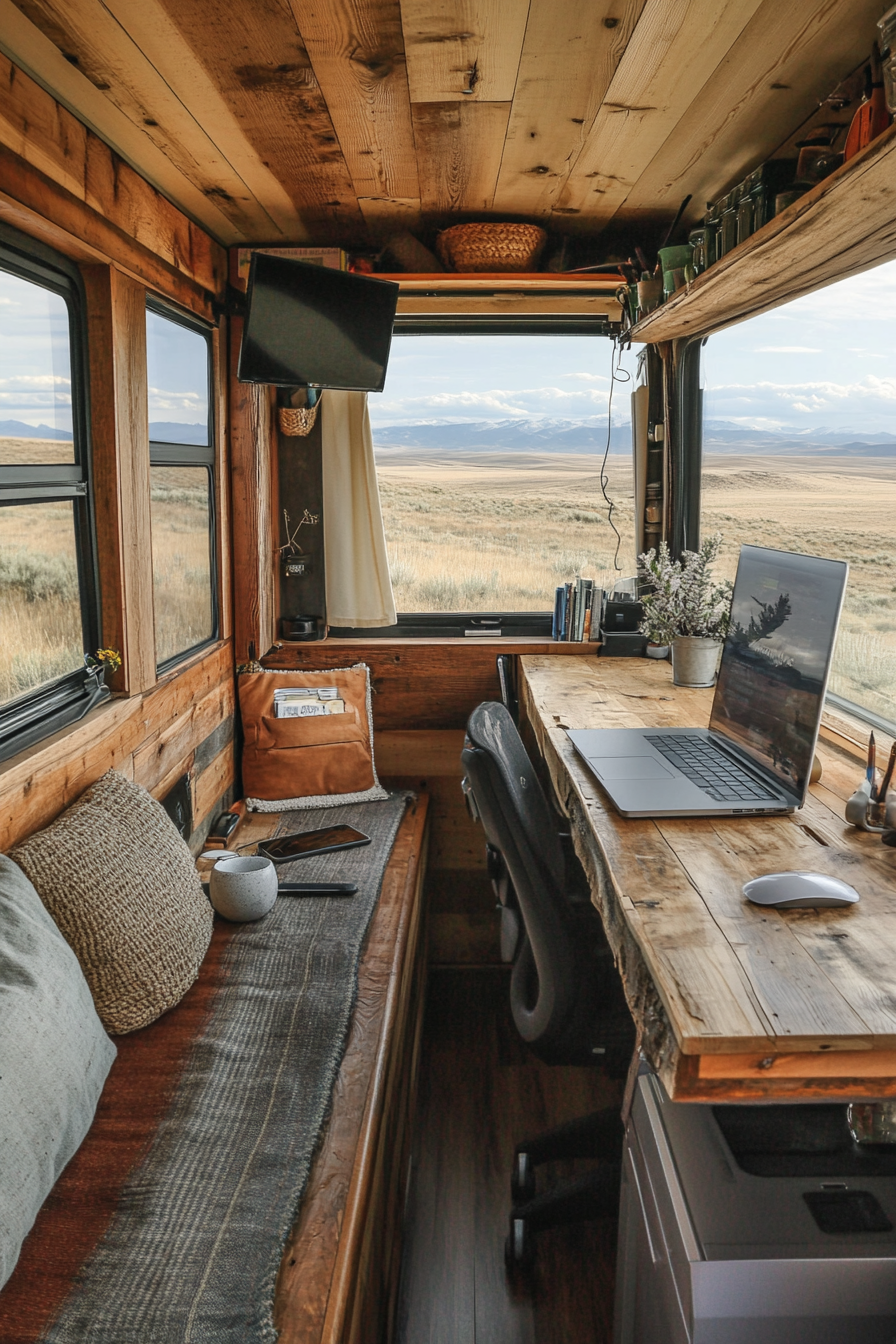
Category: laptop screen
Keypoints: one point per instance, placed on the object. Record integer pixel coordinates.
(776, 658)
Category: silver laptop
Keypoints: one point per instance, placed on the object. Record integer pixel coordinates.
(756, 756)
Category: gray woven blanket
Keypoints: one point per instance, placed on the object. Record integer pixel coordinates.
(193, 1251)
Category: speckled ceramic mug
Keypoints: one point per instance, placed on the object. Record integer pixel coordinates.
(243, 889)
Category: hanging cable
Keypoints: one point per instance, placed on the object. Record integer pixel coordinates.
(617, 374)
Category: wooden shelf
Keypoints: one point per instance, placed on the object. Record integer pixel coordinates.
(516, 293)
(845, 225)
(497, 282)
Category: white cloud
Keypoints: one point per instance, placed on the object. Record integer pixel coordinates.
(35, 380)
(588, 377)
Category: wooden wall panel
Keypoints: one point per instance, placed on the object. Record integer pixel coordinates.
(786, 61)
(116, 313)
(251, 449)
(125, 219)
(108, 55)
(418, 684)
(459, 149)
(463, 50)
(675, 48)
(135, 736)
(568, 60)
(357, 54)
(260, 66)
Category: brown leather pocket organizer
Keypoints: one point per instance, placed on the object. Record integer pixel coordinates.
(330, 754)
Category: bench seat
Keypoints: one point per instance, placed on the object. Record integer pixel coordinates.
(339, 1271)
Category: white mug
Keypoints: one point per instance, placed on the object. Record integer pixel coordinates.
(243, 889)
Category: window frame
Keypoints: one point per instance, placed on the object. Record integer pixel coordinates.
(192, 455)
(56, 704)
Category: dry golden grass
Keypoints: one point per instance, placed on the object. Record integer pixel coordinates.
(500, 531)
(40, 612)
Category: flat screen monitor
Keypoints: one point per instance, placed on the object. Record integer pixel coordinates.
(311, 326)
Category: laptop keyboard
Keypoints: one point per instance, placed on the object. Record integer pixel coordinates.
(710, 769)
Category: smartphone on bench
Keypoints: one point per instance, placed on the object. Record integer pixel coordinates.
(325, 840)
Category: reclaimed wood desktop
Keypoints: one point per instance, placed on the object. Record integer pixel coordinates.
(732, 1002)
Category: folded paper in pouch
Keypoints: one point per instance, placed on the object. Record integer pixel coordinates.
(307, 760)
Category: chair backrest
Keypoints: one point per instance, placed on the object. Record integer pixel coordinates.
(519, 823)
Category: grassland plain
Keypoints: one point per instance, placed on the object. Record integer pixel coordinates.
(40, 612)
(499, 531)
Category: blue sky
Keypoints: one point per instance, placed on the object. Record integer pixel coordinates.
(498, 377)
(824, 361)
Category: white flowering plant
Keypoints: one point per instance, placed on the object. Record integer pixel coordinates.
(684, 598)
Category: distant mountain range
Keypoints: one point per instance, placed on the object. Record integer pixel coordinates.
(535, 433)
(165, 431)
(544, 434)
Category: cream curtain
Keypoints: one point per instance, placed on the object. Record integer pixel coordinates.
(359, 589)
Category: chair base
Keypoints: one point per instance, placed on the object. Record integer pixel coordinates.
(592, 1195)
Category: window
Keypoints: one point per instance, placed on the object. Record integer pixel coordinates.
(800, 454)
(182, 460)
(489, 451)
(48, 593)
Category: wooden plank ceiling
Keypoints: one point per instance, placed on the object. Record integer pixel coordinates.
(337, 121)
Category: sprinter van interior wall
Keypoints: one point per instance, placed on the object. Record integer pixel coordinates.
(566, 202)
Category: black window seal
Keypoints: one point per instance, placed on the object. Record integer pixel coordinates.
(193, 455)
(57, 704)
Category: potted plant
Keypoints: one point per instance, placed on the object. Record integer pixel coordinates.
(686, 608)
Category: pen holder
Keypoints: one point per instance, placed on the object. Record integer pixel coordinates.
(863, 812)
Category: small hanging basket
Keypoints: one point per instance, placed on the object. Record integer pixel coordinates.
(297, 422)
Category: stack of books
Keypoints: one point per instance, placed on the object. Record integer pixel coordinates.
(574, 605)
(305, 702)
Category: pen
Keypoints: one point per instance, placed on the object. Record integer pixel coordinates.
(885, 782)
(872, 756)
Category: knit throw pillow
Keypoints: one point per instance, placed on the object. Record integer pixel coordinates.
(122, 887)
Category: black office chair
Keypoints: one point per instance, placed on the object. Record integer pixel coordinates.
(565, 994)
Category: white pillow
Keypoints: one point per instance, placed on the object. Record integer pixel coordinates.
(54, 1058)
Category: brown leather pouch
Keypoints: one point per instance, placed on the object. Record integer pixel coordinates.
(287, 759)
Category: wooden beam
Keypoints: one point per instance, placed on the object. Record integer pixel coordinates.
(569, 58)
(116, 315)
(783, 65)
(357, 55)
(459, 148)
(223, 541)
(843, 226)
(463, 50)
(260, 67)
(675, 47)
(52, 169)
(251, 449)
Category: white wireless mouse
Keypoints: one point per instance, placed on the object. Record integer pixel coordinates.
(798, 891)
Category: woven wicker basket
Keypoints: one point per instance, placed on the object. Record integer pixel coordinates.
(491, 247)
(296, 422)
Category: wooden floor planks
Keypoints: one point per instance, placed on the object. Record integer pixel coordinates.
(481, 1091)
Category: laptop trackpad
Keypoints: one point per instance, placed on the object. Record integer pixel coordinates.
(630, 767)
